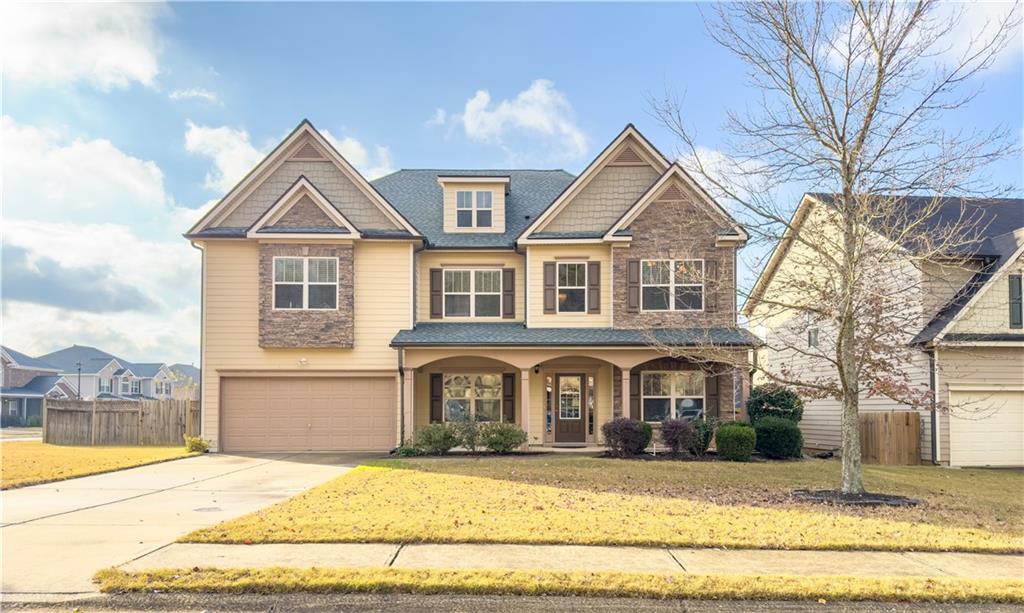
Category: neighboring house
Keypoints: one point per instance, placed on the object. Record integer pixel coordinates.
(26, 380)
(968, 348)
(342, 314)
(187, 378)
(93, 373)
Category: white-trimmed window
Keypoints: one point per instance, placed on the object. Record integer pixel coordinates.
(572, 287)
(476, 395)
(105, 385)
(472, 293)
(675, 394)
(126, 386)
(473, 212)
(136, 386)
(672, 285)
(305, 283)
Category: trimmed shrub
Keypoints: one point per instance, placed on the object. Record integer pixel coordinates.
(677, 434)
(407, 450)
(34, 421)
(501, 438)
(438, 439)
(626, 437)
(703, 433)
(195, 444)
(467, 428)
(778, 437)
(735, 441)
(776, 401)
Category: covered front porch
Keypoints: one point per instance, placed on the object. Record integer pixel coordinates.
(561, 396)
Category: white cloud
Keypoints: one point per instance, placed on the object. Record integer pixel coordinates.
(439, 117)
(195, 93)
(232, 153)
(370, 165)
(540, 110)
(105, 44)
(980, 21)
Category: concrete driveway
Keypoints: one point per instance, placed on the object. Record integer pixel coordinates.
(56, 536)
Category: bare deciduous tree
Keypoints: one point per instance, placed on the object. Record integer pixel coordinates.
(853, 97)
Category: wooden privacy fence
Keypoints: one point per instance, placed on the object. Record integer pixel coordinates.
(890, 437)
(119, 422)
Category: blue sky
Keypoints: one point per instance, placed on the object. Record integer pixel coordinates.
(121, 122)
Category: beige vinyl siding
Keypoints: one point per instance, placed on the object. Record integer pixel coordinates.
(538, 254)
(940, 283)
(231, 317)
(497, 206)
(990, 313)
(992, 368)
(425, 260)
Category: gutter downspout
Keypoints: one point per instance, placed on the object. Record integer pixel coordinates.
(933, 384)
(401, 396)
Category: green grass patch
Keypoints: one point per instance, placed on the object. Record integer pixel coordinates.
(537, 583)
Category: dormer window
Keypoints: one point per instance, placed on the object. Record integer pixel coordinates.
(473, 209)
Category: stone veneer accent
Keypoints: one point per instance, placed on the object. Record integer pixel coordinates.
(17, 377)
(676, 230)
(307, 328)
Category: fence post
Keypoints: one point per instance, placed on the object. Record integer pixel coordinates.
(92, 423)
(44, 419)
(139, 438)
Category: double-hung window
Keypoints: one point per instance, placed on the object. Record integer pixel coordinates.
(472, 293)
(305, 283)
(126, 386)
(104, 386)
(672, 285)
(572, 287)
(473, 213)
(478, 396)
(136, 386)
(672, 394)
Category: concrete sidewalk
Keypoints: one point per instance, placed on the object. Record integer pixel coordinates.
(588, 558)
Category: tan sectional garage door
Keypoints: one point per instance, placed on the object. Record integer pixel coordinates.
(308, 413)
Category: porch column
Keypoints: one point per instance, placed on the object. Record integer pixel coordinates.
(624, 402)
(524, 402)
(409, 394)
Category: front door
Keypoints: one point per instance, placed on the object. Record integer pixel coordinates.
(570, 419)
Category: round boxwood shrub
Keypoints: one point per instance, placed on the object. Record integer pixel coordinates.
(735, 441)
(626, 437)
(438, 439)
(501, 437)
(677, 434)
(776, 401)
(778, 437)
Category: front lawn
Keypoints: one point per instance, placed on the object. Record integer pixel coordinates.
(594, 501)
(33, 462)
(550, 583)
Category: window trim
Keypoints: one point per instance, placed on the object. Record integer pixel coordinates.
(673, 396)
(472, 293)
(584, 287)
(109, 387)
(672, 286)
(306, 283)
(471, 396)
(474, 207)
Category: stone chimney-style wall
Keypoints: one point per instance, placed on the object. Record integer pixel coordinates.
(678, 230)
(307, 328)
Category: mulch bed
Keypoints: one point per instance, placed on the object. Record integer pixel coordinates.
(867, 499)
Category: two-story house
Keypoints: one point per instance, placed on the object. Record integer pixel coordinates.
(964, 332)
(94, 373)
(26, 380)
(342, 314)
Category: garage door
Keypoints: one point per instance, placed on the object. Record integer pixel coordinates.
(987, 428)
(308, 414)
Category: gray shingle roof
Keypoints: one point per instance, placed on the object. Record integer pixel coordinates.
(28, 361)
(36, 388)
(93, 360)
(515, 334)
(418, 196)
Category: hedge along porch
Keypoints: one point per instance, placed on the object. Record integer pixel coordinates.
(561, 396)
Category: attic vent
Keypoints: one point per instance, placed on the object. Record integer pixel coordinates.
(672, 193)
(308, 152)
(628, 156)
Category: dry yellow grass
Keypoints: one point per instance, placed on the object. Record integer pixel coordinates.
(535, 583)
(31, 462)
(379, 504)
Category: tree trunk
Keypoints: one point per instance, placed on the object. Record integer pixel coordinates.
(852, 478)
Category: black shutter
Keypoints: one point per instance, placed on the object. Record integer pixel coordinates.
(550, 289)
(508, 397)
(1016, 308)
(711, 286)
(593, 287)
(436, 293)
(634, 395)
(633, 286)
(508, 293)
(436, 398)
